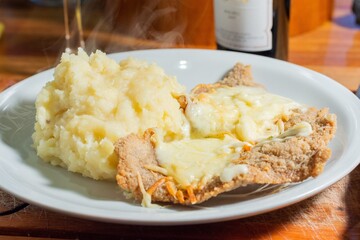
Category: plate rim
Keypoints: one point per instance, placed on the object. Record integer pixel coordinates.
(224, 217)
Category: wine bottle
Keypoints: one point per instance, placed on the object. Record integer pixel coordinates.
(253, 26)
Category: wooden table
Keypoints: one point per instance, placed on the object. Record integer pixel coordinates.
(32, 42)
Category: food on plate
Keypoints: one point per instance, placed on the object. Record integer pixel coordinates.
(131, 122)
(93, 101)
(240, 134)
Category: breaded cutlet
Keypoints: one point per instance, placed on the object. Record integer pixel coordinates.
(271, 162)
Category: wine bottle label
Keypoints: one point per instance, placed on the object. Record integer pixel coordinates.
(244, 25)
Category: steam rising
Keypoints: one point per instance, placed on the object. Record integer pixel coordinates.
(149, 16)
(128, 25)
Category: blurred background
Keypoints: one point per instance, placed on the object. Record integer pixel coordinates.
(323, 34)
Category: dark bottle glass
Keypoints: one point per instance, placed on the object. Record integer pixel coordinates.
(253, 26)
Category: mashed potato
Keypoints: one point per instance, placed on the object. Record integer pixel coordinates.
(93, 101)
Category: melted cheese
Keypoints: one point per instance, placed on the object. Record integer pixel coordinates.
(194, 161)
(302, 129)
(243, 115)
(249, 113)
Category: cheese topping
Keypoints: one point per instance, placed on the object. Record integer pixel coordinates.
(146, 201)
(194, 161)
(224, 122)
(249, 113)
(232, 171)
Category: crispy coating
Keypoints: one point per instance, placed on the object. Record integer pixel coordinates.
(240, 74)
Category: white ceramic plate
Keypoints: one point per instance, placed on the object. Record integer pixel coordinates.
(30, 179)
